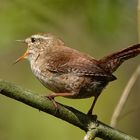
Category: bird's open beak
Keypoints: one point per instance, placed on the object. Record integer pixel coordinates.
(22, 57)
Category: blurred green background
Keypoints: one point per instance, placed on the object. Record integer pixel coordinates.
(97, 27)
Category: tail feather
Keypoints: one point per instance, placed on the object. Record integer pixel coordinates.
(113, 61)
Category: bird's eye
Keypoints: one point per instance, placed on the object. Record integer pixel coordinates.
(33, 39)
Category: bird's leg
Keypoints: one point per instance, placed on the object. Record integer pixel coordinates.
(93, 104)
(53, 95)
(53, 101)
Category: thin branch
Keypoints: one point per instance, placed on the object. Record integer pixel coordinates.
(91, 135)
(124, 97)
(68, 114)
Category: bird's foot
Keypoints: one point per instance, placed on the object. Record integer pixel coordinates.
(55, 104)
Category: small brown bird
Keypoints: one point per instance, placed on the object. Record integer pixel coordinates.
(70, 73)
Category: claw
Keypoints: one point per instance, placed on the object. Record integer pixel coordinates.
(53, 101)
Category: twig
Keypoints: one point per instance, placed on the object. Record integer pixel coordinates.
(66, 113)
(91, 135)
(124, 97)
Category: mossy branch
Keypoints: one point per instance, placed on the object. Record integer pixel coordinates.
(89, 124)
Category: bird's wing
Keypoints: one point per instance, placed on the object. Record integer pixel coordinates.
(77, 64)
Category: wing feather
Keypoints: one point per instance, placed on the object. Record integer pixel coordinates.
(76, 63)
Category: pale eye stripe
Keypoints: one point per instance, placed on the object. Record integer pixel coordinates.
(42, 37)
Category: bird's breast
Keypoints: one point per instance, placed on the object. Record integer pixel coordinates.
(45, 77)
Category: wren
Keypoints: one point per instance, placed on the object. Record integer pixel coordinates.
(70, 73)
